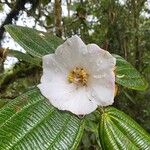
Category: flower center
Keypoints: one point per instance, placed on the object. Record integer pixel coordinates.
(78, 76)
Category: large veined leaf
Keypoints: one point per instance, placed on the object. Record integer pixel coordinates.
(30, 123)
(128, 76)
(35, 42)
(119, 132)
(24, 57)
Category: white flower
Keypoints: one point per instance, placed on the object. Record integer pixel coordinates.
(78, 77)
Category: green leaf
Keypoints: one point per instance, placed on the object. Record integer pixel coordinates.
(128, 76)
(119, 132)
(25, 57)
(4, 102)
(35, 42)
(30, 122)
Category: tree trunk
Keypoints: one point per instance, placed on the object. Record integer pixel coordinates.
(58, 17)
(137, 7)
(13, 15)
(136, 38)
(68, 7)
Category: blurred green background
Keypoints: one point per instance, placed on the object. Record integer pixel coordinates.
(119, 26)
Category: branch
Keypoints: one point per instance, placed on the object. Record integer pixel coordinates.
(14, 13)
(58, 17)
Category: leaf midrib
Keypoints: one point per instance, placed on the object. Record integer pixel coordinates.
(61, 131)
(134, 129)
(24, 108)
(47, 115)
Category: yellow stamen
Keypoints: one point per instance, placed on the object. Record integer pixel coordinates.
(78, 76)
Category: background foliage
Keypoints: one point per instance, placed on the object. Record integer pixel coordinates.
(121, 27)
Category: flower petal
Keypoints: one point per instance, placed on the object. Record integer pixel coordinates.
(79, 103)
(103, 90)
(99, 60)
(50, 68)
(69, 54)
(66, 96)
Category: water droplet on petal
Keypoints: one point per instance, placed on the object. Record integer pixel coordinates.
(90, 51)
(68, 42)
(64, 65)
(99, 62)
(107, 85)
(93, 94)
(84, 51)
(47, 63)
(99, 70)
(61, 51)
(57, 70)
(96, 76)
(104, 75)
(99, 76)
(53, 63)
